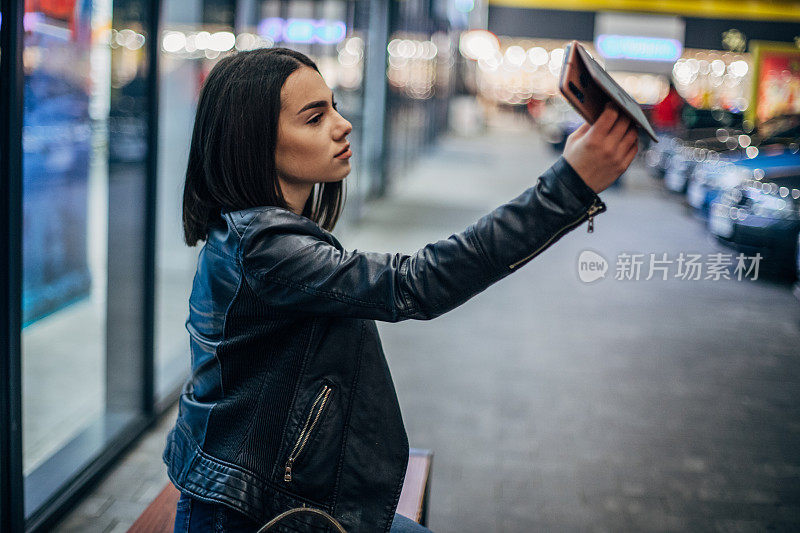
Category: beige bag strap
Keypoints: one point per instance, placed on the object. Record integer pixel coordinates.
(271, 523)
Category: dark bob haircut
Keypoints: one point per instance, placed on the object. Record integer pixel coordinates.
(232, 154)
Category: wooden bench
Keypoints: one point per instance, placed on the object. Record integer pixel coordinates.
(159, 517)
(416, 486)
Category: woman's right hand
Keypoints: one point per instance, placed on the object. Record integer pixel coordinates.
(600, 153)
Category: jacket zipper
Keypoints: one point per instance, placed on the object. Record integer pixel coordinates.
(593, 209)
(311, 421)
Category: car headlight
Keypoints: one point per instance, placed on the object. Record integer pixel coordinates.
(714, 171)
(769, 205)
(732, 177)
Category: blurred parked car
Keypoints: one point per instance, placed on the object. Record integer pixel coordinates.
(658, 154)
(762, 216)
(710, 178)
(679, 167)
(713, 174)
(699, 129)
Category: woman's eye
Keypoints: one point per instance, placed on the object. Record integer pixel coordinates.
(315, 119)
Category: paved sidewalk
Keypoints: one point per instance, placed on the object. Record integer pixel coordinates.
(127, 490)
(554, 405)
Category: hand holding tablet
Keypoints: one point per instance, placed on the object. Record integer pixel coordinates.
(588, 88)
(599, 153)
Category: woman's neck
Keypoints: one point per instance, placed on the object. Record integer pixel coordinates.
(296, 194)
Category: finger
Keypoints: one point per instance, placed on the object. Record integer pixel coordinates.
(581, 131)
(631, 136)
(629, 139)
(606, 120)
(620, 129)
(630, 155)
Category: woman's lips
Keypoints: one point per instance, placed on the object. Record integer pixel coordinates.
(344, 154)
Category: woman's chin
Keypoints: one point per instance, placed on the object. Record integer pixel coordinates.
(343, 175)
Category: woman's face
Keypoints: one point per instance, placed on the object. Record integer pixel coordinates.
(312, 144)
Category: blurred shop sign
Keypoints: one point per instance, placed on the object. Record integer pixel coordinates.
(639, 43)
(756, 10)
(302, 30)
(638, 48)
(776, 80)
(58, 9)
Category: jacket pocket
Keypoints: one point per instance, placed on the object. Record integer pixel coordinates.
(312, 421)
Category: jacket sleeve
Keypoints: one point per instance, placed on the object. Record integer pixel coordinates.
(297, 272)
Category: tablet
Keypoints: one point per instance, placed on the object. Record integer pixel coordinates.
(588, 87)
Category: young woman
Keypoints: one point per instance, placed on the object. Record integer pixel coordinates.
(291, 403)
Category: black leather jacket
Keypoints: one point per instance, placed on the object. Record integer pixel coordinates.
(291, 402)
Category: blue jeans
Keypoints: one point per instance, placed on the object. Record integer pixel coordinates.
(197, 516)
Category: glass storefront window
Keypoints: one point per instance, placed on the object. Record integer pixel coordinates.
(64, 276)
(182, 69)
(84, 140)
(89, 177)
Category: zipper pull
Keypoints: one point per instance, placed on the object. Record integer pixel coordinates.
(595, 207)
(287, 475)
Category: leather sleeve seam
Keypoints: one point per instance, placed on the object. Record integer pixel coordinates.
(233, 225)
(316, 292)
(219, 252)
(410, 308)
(478, 246)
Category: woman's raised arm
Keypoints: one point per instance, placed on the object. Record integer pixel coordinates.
(296, 268)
